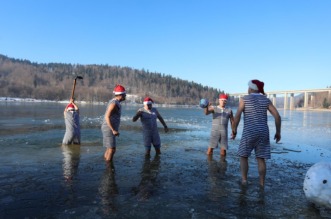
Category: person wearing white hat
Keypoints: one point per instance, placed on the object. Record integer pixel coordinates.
(255, 136)
(71, 118)
(111, 122)
(148, 116)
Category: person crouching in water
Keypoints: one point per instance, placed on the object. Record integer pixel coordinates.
(219, 131)
(111, 122)
(71, 118)
(148, 116)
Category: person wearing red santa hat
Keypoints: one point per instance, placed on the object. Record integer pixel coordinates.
(255, 136)
(71, 118)
(148, 116)
(111, 122)
(219, 132)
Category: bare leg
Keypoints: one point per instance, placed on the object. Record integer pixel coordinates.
(109, 154)
(223, 158)
(262, 170)
(147, 152)
(223, 152)
(158, 151)
(244, 169)
(210, 151)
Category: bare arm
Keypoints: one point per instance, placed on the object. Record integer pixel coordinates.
(111, 109)
(272, 109)
(209, 109)
(231, 118)
(237, 118)
(76, 107)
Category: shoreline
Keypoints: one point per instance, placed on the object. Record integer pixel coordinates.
(127, 102)
(31, 100)
(313, 109)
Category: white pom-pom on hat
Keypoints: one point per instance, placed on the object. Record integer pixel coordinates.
(256, 85)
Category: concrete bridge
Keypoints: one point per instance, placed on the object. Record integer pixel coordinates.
(307, 93)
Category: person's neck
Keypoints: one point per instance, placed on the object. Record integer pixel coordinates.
(251, 91)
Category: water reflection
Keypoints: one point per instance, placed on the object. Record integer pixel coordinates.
(251, 201)
(108, 190)
(71, 158)
(216, 176)
(149, 174)
(305, 119)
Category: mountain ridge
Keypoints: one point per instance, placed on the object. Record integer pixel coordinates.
(54, 81)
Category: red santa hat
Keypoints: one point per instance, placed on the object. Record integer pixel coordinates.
(119, 89)
(70, 107)
(256, 85)
(148, 100)
(223, 97)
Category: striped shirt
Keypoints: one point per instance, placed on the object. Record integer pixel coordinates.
(219, 131)
(255, 134)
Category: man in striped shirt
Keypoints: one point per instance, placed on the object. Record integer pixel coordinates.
(219, 131)
(111, 122)
(255, 136)
(148, 116)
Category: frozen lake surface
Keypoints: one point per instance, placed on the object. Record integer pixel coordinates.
(40, 178)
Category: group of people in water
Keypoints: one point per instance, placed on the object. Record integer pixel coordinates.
(255, 136)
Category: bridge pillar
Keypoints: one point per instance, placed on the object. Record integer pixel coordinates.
(285, 101)
(274, 99)
(292, 101)
(305, 105)
(312, 100)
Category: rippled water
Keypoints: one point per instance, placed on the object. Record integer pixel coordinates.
(41, 178)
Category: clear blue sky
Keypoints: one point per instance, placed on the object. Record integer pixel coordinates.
(220, 43)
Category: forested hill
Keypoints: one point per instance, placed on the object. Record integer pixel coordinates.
(54, 81)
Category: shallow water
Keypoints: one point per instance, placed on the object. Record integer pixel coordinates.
(41, 178)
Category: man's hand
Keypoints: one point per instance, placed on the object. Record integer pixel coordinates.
(233, 135)
(277, 137)
(116, 133)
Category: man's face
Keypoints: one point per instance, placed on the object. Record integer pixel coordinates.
(123, 97)
(223, 102)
